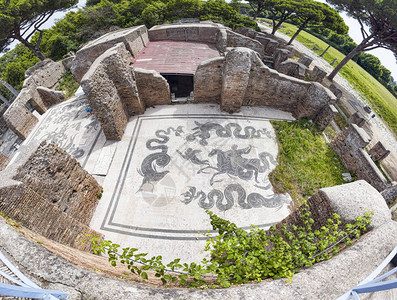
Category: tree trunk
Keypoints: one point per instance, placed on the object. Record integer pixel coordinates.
(275, 28)
(344, 61)
(255, 14)
(32, 48)
(295, 35)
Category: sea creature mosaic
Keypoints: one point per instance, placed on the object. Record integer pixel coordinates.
(219, 163)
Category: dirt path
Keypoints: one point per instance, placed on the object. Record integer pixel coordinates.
(375, 127)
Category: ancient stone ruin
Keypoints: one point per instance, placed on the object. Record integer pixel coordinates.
(53, 190)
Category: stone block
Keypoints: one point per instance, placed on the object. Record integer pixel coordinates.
(262, 38)
(153, 88)
(280, 56)
(357, 118)
(378, 152)
(248, 32)
(221, 40)
(317, 74)
(357, 137)
(208, 80)
(271, 47)
(292, 51)
(157, 33)
(67, 62)
(50, 97)
(390, 194)
(208, 34)
(326, 115)
(18, 117)
(336, 90)
(112, 92)
(293, 68)
(305, 60)
(354, 199)
(235, 78)
(183, 33)
(316, 98)
(134, 40)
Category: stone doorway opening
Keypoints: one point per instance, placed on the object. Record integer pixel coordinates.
(180, 84)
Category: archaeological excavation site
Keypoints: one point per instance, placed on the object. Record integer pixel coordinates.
(168, 124)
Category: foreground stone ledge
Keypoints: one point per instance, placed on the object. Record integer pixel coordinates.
(325, 280)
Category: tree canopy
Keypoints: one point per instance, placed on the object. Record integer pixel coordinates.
(378, 21)
(281, 11)
(21, 19)
(311, 13)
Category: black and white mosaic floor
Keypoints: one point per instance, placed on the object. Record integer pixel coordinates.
(176, 161)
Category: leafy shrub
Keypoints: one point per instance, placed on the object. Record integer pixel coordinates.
(238, 256)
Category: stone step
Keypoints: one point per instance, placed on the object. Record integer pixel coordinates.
(25, 206)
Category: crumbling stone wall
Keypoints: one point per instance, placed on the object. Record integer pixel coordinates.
(112, 92)
(208, 80)
(27, 207)
(241, 78)
(59, 178)
(350, 145)
(235, 78)
(293, 68)
(134, 40)
(325, 116)
(153, 88)
(238, 40)
(270, 42)
(45, 74)
(244, 80)
(18, 117)
(203, 33)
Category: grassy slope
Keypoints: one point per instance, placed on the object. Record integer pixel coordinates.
(383, 102)
(306, 161)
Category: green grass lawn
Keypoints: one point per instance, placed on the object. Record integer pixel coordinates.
(382, 101)
(306, 162)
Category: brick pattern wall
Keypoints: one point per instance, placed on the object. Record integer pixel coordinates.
(59, 179)
(27, 207)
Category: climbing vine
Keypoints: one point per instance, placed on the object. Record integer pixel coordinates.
(238, 256)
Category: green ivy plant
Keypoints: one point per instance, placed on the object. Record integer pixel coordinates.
(238, 256)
